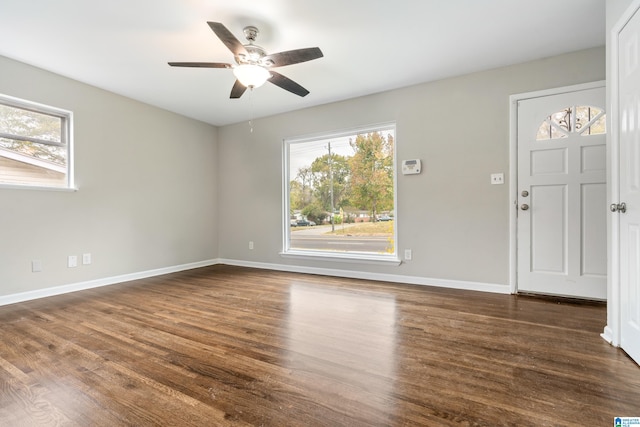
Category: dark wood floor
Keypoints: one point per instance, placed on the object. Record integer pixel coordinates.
(236, 346)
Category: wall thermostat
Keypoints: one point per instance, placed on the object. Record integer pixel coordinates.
(411, 167)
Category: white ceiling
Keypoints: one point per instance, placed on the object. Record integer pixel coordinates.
(369, 46)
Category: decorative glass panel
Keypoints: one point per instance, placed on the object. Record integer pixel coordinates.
(582, 120)
(562, 119)
(598, 127)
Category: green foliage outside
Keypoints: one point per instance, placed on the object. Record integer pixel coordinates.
(372, 173)
(361, 182)
(314, 212)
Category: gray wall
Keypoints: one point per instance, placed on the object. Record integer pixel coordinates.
(158, 190)
(456, 223)
(147, 194)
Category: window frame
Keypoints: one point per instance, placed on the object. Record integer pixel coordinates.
(66, 138)
(349, 257)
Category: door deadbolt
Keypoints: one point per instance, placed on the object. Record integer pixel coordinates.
(525, 193)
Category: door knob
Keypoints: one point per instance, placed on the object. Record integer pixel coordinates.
(524, 207)
(618, 207)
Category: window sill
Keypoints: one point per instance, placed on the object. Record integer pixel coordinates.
(343, 257)
(37, 188)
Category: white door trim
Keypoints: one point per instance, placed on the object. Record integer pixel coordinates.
(611, 331)
(513, 165)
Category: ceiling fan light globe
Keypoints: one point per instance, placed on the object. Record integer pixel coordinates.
(251, 75)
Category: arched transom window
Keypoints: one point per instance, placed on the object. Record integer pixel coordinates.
(582, 120)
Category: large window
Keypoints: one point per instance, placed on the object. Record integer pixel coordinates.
(340, 198)
(35, 145)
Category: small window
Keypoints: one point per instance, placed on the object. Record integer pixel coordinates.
(35, 145)
(340, 195)
(581, 120)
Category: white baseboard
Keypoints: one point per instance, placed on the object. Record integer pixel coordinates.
(64, 289)
(395, 278)
(607, 335)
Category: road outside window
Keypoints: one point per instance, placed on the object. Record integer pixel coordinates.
(340, 194)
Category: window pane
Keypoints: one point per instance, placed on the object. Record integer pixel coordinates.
(341, 194)
(562, 119)
(34, 149)
(544, 131)
(599, 127)
(547, 131)
(54, 154)
(32, 124)
(572, 120)
(557, 133)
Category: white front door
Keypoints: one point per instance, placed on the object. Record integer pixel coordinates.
(629, 214)
(562, 205)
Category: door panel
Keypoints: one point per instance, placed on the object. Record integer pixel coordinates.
(594, 159)
(561, 228)
(629, 100)
(594, 236)
(548, 229)
(545, 162)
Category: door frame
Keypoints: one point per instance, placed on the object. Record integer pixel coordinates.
(612, 331)
(513, 166)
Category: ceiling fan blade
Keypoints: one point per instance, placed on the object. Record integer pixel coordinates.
(229, 40)
(287, 84)
(237, 90)
(294, 56)
(200, 64)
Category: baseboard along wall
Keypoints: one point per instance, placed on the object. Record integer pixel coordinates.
(394, 278)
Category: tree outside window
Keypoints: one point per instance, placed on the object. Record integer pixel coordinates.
(340, 195)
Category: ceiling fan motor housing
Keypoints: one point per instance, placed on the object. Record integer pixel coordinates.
(253, 56)
(254, 52)
(253, 64)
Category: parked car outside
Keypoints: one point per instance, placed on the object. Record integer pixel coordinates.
(384, 218)
(293, 223)
(305, 223)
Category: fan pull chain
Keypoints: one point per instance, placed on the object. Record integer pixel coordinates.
(252, 109)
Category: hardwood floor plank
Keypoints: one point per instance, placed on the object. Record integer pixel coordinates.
(235, 346)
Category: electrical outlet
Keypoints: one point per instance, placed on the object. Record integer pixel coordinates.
(251, 245)
(72, 261)
(86, 259)
(408, 254)
(36, 266)
(497, 178)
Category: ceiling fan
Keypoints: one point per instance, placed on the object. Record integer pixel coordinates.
(253, 65)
